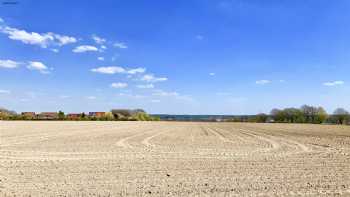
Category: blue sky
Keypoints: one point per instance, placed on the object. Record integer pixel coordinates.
(178, 57)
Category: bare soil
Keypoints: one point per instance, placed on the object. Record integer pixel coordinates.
(173, 159)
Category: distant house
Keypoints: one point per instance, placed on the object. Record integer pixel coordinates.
(97, 114)
(73, 116)
(30, 115)
(48, 116)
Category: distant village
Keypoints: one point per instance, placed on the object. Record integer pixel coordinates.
(56, 115)
(115, 114)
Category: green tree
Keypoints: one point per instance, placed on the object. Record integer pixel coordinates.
(261, 118)
(61, 115)
(321, 115)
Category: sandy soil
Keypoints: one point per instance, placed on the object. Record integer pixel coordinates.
(173, 159)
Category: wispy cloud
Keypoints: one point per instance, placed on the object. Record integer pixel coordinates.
(39, 66)
(84, 48)
(9, 64)
(5, 91)
(199, 37)
(211, 74)
(175, 95)
(101, 58)
(64, 96)
(136, 70)
(164, 93)
(146, 86)
(152, 78)
(98, 39)
(109, 70)
(334, 83)
(223, 93)
(133, 96)
(263, 82)
(120, 45)
(117, 69)
(43, 40)
(119, 85)
(91, 97)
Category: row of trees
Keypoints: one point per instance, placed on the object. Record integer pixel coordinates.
(304, 114)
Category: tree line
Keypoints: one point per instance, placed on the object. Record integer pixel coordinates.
(304, 114)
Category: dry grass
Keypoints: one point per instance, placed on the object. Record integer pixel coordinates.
(173, 159)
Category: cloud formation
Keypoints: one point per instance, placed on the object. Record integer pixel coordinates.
(136, 70)
(146, 86)
(334, 83)
(43, 40)
(263, 82)
(117, 70)
(9, 64)
(152, 78)
(120, 45)
(84, 48)
(109, 70)
(119, 85)
(98, 39)
(39, 66)
(5, 91)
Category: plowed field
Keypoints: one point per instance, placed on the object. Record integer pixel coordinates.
(173, 159)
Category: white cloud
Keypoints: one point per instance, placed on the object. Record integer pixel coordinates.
(282, 80)
(147, 86)
(64, 97)
(133, 96)
(155, 101)
(118, 69)
(55, 50)
(109, 70)
(136, 70)
(164, 93)
(120, 45)
(91, 97)
(334, 83)
(103, 47)
(84, 48)
(211, 74)
(39, 66)
(173, 95)
(5, 91)
(101, 58)
(41, 39)
(1, 20)
(199, 37)
(263, 82)
(9, 64)
(63, 40)
(119, 85)
(98, 40)
(152, 78)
